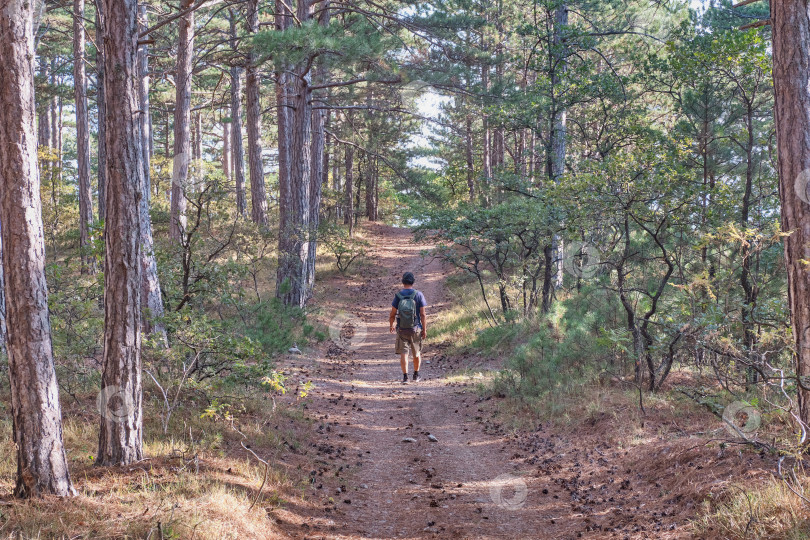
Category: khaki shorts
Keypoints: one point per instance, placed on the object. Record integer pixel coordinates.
(414, 343)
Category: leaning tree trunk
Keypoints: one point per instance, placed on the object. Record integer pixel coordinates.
(121, 434)
(151, 297)
(182, 121)
(82, 137)
(258, 195)
(791, 80)
(102, 120)
(42, 466)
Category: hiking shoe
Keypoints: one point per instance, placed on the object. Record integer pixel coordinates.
(404, 378)
(416, 377)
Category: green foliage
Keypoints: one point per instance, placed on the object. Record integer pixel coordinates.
(557, 356)
(277, 327)
(346, 249)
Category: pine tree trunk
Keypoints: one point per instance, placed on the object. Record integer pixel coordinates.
(371, 190)
(226, 152)
(182, 121)
(151, 297)
(294, 236)
(43, 120)
(558, 110)
(320, 167)
(316, 185)
(82, 137)
(36, 414)
(283, 124)
(237, 151)
(348, 208)
(59, 140)
(121, 434)
(197, 153)
(791, 78)
(468, 142)
(487, 147)
(292, 285)
(102, 120)
(258, 195)
(558, 123)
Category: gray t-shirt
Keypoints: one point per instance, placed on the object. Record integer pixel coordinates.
(419, 300)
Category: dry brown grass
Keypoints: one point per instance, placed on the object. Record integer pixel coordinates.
(198, 486)
(765, 511)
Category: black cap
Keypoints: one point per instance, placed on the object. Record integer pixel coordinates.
(407, 278)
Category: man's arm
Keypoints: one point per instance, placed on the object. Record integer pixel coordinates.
(392, 319)
(423, 318)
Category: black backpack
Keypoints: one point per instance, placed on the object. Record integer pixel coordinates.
(407, 310)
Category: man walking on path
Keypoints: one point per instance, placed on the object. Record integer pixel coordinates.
(408, 311)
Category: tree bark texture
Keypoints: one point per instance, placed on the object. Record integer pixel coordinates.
(82, 136)
(258, 195)
(36, 414)
(791, 80)
(151, 297)
(182, 121)
(102, 120)
(237, 151)
(121, 434)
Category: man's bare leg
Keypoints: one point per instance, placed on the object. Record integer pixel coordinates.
(403, 362)
(416, 361)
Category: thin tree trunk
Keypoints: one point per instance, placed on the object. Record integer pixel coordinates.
(282, 21)
(258, 195)
(42, 466)
(320, 168)
(182, 121)
(487, 147)
(791, 79)
(318, 151)
(348, 209)
(151, 297)
(197, 152)
(121, 434)
(59, 140)
(102, 120)
(43, 120)
(82, 138)
(749, 335)
(237, 151)
(558, 122)
(468, 148)
(226, 152)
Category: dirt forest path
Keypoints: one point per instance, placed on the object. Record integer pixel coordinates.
(474, 481)
(411, 489)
